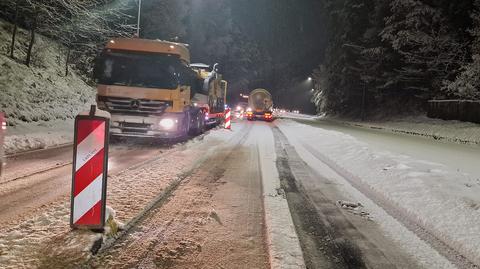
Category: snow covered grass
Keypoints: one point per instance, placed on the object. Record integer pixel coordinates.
(443, 201)
(36, 99)
(453, 131)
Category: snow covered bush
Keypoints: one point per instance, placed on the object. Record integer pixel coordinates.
(467, 84)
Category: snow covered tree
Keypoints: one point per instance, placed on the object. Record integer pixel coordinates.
(430, 51)
(467, 84)
(164, 19)
(79, 24)
(350, 56)
(392, 56)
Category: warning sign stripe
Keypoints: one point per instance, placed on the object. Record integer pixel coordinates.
(87, 199)
(90, 146)
(88, 172)
(84, 132)
(91, 216)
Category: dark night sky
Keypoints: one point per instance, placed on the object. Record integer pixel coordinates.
(276, 45)
(259, 43)
(291, 31)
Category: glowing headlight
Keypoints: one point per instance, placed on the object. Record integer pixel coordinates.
(167, 123)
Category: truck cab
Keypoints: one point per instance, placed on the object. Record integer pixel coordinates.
(147, 86)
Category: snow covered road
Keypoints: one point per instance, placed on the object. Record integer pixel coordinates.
(434, 200)
(265, 195)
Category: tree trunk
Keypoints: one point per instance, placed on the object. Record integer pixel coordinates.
(67, 60)
(363, 100)
(12, 46)
(32, 39)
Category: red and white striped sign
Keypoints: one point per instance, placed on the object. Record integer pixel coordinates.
(89, 172)
(228, 123)
(3, 122)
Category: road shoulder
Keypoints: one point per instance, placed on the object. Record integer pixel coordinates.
(435, 129)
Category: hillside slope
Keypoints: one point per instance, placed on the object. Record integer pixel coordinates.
(39, 101)
(40, 92)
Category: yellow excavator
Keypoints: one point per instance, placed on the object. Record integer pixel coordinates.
(214, 102)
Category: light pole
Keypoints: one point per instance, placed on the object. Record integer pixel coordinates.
(138, 17)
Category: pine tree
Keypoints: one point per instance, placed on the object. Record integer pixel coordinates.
(422, 35)
(467, 83)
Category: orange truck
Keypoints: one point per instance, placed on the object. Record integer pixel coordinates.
(148, 87)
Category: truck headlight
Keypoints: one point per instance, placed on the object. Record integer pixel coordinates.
(167, 123)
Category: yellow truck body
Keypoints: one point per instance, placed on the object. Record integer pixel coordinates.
(147, 87)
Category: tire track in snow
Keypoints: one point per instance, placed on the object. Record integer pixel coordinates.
(163, 197)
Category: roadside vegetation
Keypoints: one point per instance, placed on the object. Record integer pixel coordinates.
(390, 57)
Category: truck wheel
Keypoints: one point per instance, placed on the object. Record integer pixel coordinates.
(197, 124)
(203, 125)
(185, 127)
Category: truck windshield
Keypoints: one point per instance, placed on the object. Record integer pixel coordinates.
(147, 70)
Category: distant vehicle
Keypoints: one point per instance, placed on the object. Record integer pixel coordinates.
(238, 114)
(147, 86)
(240, 110)
(213, 104)
(260, 105)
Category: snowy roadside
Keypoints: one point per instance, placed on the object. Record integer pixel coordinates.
(443, 202)
(451, 131)
(27, 137)
(34, 242)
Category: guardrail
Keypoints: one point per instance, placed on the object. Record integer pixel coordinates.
(462, 110)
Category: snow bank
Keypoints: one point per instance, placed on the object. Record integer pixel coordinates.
(453, 131)
(31, 136)
(444, 202)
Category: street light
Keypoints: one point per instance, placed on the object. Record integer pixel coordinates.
(309, 78)
(138, 17)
